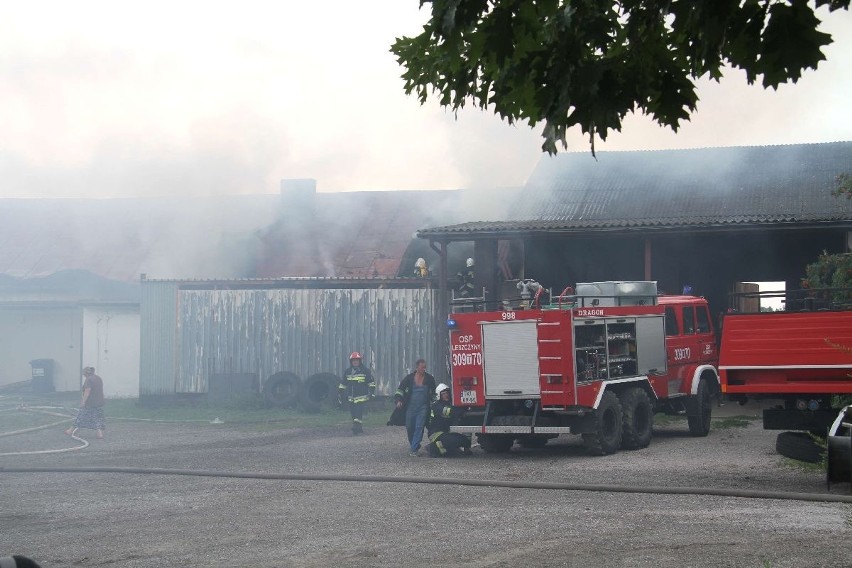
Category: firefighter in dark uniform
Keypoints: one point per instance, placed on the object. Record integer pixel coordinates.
(442, 442)
(465, 280)
(357, 386)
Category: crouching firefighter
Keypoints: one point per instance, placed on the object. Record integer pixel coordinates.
(442, 442)
(357, 386)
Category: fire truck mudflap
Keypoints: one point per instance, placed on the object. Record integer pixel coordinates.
(599, 365)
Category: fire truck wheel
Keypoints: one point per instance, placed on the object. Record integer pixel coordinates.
(700, 411)
(799, 446)
(606, 439)
(282, 389)
(637, 419)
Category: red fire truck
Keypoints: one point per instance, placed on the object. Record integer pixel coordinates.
(799, 357)
(598, 361)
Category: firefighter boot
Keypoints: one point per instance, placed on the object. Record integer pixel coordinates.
(357, 427)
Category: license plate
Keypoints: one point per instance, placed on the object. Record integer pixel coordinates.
(468, 397)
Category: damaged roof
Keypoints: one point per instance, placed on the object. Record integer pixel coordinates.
(350, 234)
(354, 234)
(734, 187)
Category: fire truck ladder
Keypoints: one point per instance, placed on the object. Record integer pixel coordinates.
(551, 369)
(549, 359)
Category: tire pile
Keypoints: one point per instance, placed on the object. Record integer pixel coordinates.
(287, 390)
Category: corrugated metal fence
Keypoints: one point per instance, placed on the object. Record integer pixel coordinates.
(157, 328)
(304, 331)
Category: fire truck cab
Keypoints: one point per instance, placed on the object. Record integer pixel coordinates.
(598, 361)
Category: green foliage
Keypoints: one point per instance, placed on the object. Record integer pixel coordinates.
(839, 401)
(733, 422)
(590, 62)
(831, 271)
(844, 186)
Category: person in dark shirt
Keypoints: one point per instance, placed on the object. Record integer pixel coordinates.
(91, 413)
(413, 399)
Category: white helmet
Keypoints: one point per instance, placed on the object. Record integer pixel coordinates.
(420, 263)
(469, 262)
(441, 388)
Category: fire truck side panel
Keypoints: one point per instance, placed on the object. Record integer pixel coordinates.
(510, 359)
(614, 345)
(787, 353)
(651, 345)
(468, 387)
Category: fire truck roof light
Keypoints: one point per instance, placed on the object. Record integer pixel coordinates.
(452, 324)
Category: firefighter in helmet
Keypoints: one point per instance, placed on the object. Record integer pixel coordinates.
(420, 268)
(465, 280)
(357, 386)
(442, 442)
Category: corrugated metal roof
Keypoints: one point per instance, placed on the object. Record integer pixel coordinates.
(705, 187)
(68, 285)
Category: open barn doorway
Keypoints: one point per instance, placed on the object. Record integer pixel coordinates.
(771, 296)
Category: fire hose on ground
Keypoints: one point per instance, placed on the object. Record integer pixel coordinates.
(599, 488)
(66, 419)
(465, 482)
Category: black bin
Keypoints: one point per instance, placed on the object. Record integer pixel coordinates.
(42, 375)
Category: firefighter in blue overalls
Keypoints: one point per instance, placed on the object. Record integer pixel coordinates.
(442, 442)
(357, 386)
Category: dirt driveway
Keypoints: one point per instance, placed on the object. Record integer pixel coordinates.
(143, 520)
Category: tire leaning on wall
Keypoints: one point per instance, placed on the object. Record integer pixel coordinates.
(282, 389)
(319, 391)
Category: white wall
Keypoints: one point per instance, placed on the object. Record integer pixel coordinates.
(111, 346)
(28, 333)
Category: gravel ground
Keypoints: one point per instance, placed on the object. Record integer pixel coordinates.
(141, 520)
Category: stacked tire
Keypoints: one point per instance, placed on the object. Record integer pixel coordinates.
(283, 389)
(319, 391)
(287, 390)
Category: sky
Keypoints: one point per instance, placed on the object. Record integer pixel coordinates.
(114, 99)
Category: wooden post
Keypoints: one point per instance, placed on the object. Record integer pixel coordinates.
(648, 258)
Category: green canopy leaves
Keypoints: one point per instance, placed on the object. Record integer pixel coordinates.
(590, 62)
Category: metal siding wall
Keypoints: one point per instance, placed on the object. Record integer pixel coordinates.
(157, 327)
(302, 331)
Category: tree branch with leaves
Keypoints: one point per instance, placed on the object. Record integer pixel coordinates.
(588, 63)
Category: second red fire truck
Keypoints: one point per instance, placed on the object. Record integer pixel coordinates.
(598, 361)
